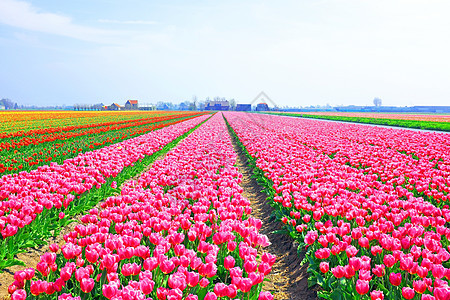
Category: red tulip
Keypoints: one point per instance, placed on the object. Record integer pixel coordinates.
(395, 279)
(419, 286)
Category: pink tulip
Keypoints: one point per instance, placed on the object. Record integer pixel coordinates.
(324, 267)
(376, 295)
(438, 271)
(19, 295)
(220, 289)
(203, 282)
(265, 296)
(210, 296)
(442, 293)
(408, 293)
(362, 286)
(229, 262)
(87, 284)
(192, 279)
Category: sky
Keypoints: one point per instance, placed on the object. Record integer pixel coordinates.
(299, 52)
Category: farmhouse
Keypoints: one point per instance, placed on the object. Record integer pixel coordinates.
(131, 104)
(114, 106)
(218, 105)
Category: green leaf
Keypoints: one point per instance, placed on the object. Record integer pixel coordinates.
(11, 262)
(312, 281)
(336, 294)
(320, 279)
(324, 295)
(28, 243)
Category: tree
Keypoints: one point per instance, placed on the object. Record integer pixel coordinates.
(233, 104)
(377, 101)
(194, 103)
(7, 103)
(201, 105)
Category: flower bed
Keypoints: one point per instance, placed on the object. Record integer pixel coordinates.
(181, 231)
(31, 201)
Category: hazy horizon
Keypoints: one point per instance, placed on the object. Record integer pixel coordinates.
(301, 53)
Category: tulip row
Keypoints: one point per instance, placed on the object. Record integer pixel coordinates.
(401, 164)
(32, 203)
(181, 231)
(437, 123)
(59, 144)
(398, 116)
(36, 137)
(44, 130)
(363, 237)
(23, 123)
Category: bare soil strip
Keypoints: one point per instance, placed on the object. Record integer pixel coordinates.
(288, 280)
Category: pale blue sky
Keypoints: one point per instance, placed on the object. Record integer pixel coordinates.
(299, 52)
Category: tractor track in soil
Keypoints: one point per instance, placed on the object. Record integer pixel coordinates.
(288, 280)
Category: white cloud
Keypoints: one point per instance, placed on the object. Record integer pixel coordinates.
(23, 15)
(131, 22)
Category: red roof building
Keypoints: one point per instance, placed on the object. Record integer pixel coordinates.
(131, 104)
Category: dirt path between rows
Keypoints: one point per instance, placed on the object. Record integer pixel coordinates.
(287, 280)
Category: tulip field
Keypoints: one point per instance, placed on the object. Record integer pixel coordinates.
(159, 209)
(182, 230)
(34, 204)
(32, 139)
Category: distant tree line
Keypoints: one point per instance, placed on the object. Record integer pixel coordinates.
(98, 106)
(8, 104)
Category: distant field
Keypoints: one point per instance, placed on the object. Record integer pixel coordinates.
(399, 116)
(31, 139)
(440, 122)
(13, 121)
